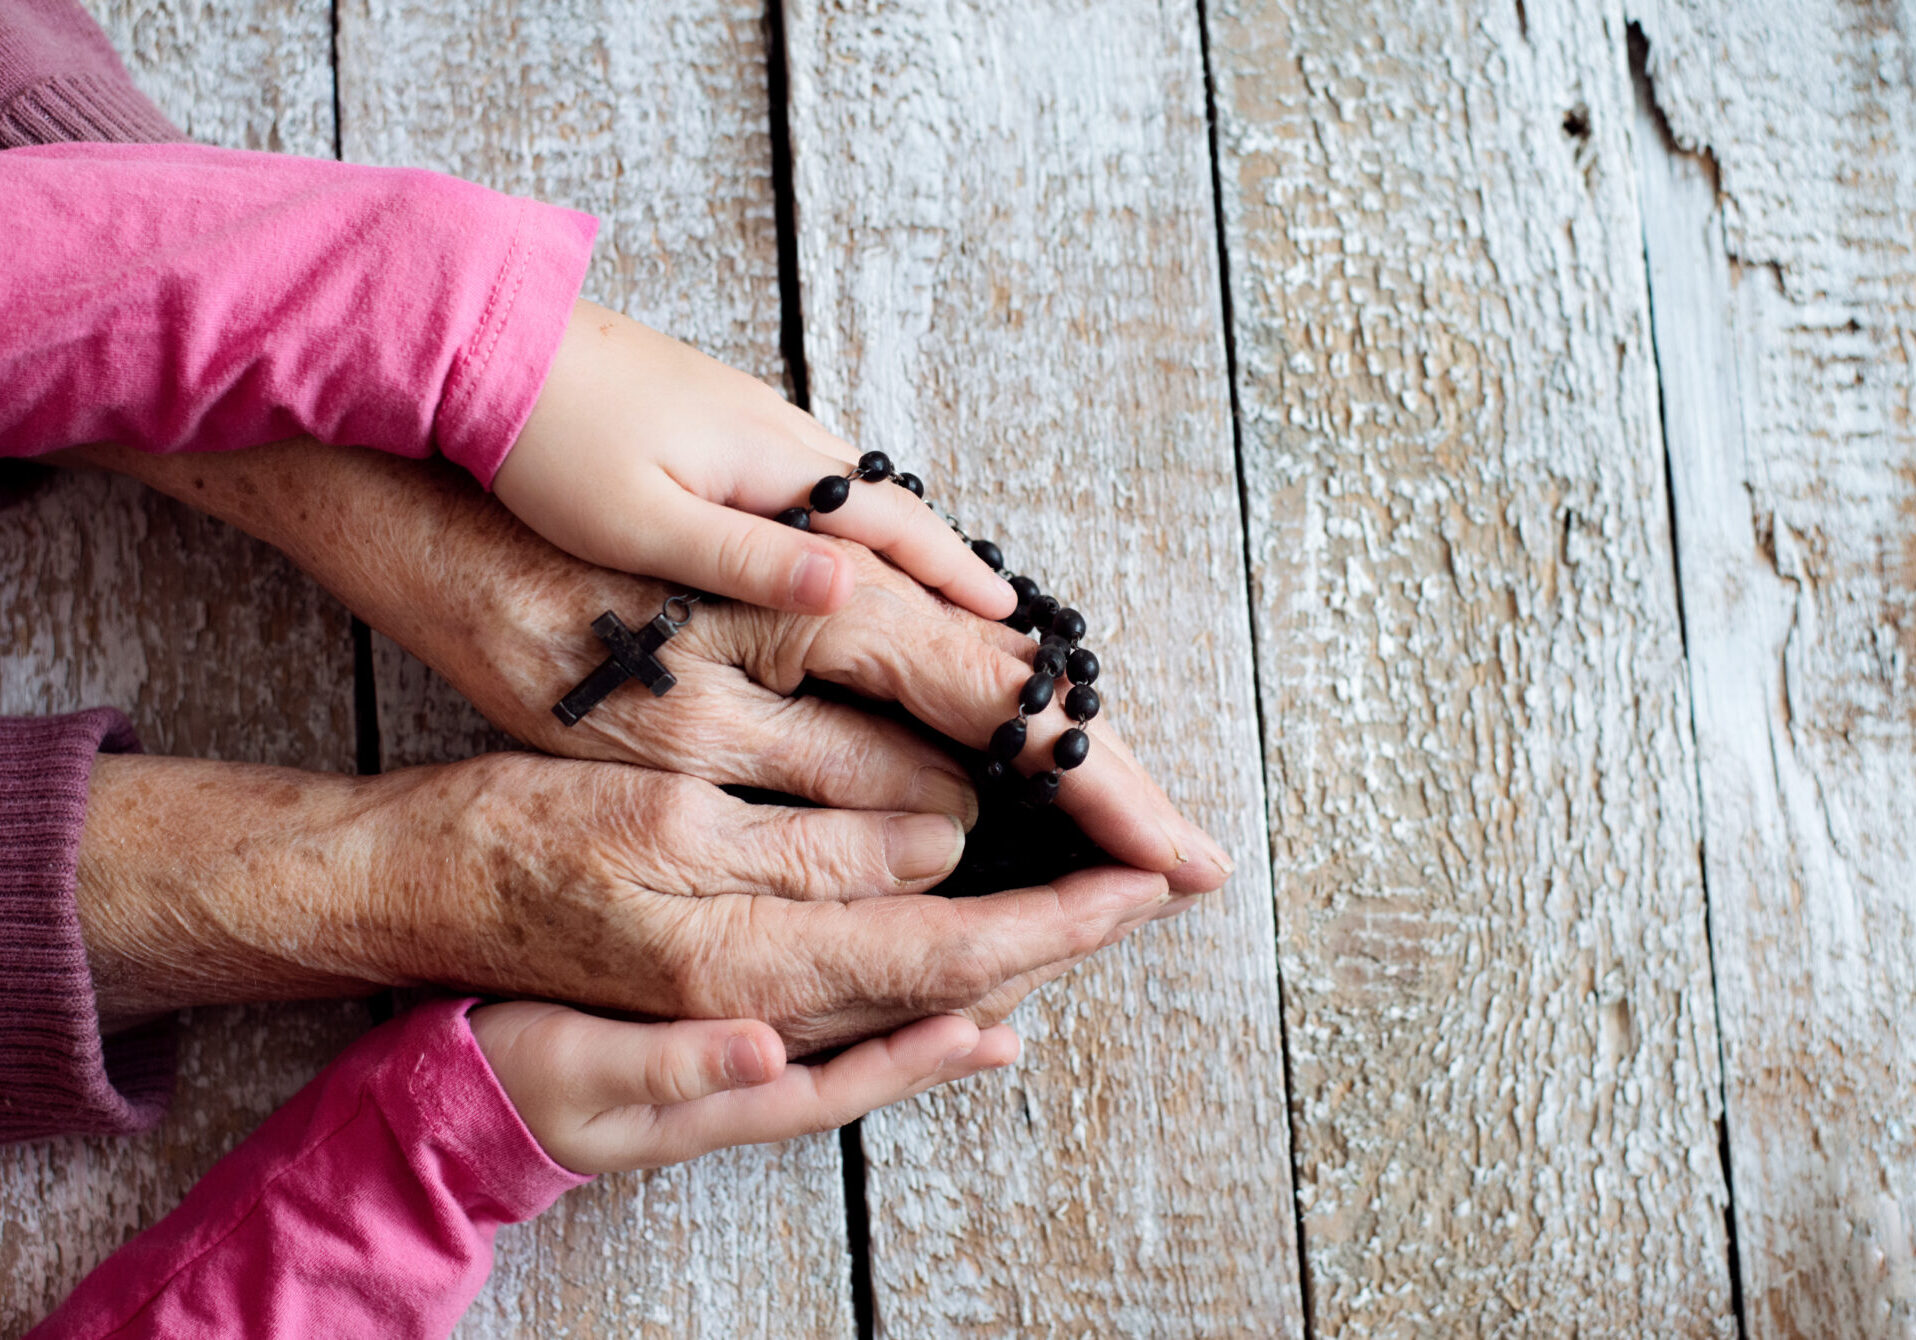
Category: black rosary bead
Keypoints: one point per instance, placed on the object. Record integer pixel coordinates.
(1044, 787)
(874, 465)
(1043, 609)
(829, 493)
(798, 518)
(1082, 703)
(1071, 748)
(1068, 624)
(988, 551)
(1008, 741)
(1082, 666)
(1049, 661)
(1025, 589)
(1036, 695)
(911, 484)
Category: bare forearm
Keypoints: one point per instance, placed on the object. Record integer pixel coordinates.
(205, 883)
(418, 552)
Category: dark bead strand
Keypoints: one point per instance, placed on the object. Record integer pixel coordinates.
(1082, 703)
(1058, 651)
(1036, 695)
(1008, 741)
(829, 494)
(1070, 749)
(1050, 661)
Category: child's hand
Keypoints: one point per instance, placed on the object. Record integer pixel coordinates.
(643, 454)
(603, 1096)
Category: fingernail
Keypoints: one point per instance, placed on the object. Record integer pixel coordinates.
(743, 1063)
(958, 1054)
(1195, 840)
(945, 793)
(918, 846)
(812, 580)
(1223, 859)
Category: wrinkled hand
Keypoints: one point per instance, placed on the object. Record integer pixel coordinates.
(655, 894)
(604, 1096)
(519, 875)
(422, 555)
(645, 455)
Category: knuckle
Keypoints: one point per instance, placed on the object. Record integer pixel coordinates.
(833, 853)
(1087, 935)
(955, 977)
(671, 1076)
(828, 756)
(743, 556)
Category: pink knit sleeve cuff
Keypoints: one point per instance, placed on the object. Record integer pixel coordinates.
(58, 1076)
(60, 80)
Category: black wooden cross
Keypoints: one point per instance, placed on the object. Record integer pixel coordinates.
(632, 658)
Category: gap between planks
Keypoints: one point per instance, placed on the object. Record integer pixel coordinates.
(1657, 150)
(1225, 317)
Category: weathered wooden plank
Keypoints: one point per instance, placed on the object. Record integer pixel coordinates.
(1481, 775)
(1778, 199)
(212, 643)
(1010, 280)
(654, 116)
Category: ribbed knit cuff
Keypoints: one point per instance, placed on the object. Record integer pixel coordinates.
(83, 108)
(57, 1074)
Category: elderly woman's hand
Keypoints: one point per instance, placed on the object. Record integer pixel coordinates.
(605, 884)
(421, 555)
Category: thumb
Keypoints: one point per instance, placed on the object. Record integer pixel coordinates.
(662, 1064)
(746, 557)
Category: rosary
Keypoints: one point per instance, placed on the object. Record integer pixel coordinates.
(1059, 629)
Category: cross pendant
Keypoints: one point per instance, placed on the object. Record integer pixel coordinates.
(632, 657)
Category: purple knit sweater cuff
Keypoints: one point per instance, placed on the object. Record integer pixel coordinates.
(58, 1076)
(60, 81)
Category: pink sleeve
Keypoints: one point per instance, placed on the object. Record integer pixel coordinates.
(365, 1206)
(174, 297)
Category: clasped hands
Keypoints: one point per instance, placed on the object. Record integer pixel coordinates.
(621, 877)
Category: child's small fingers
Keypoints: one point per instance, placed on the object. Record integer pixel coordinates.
(746, 557)
(633, 1065)
(878, 514)
(892, 521)
(808, 1098)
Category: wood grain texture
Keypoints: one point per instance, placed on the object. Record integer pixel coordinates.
(654, 117)
(1492, 924)
(1779, 178)
(1010, 282)
(211, 642)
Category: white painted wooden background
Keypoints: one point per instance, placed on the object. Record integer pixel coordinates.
(1482, 435)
